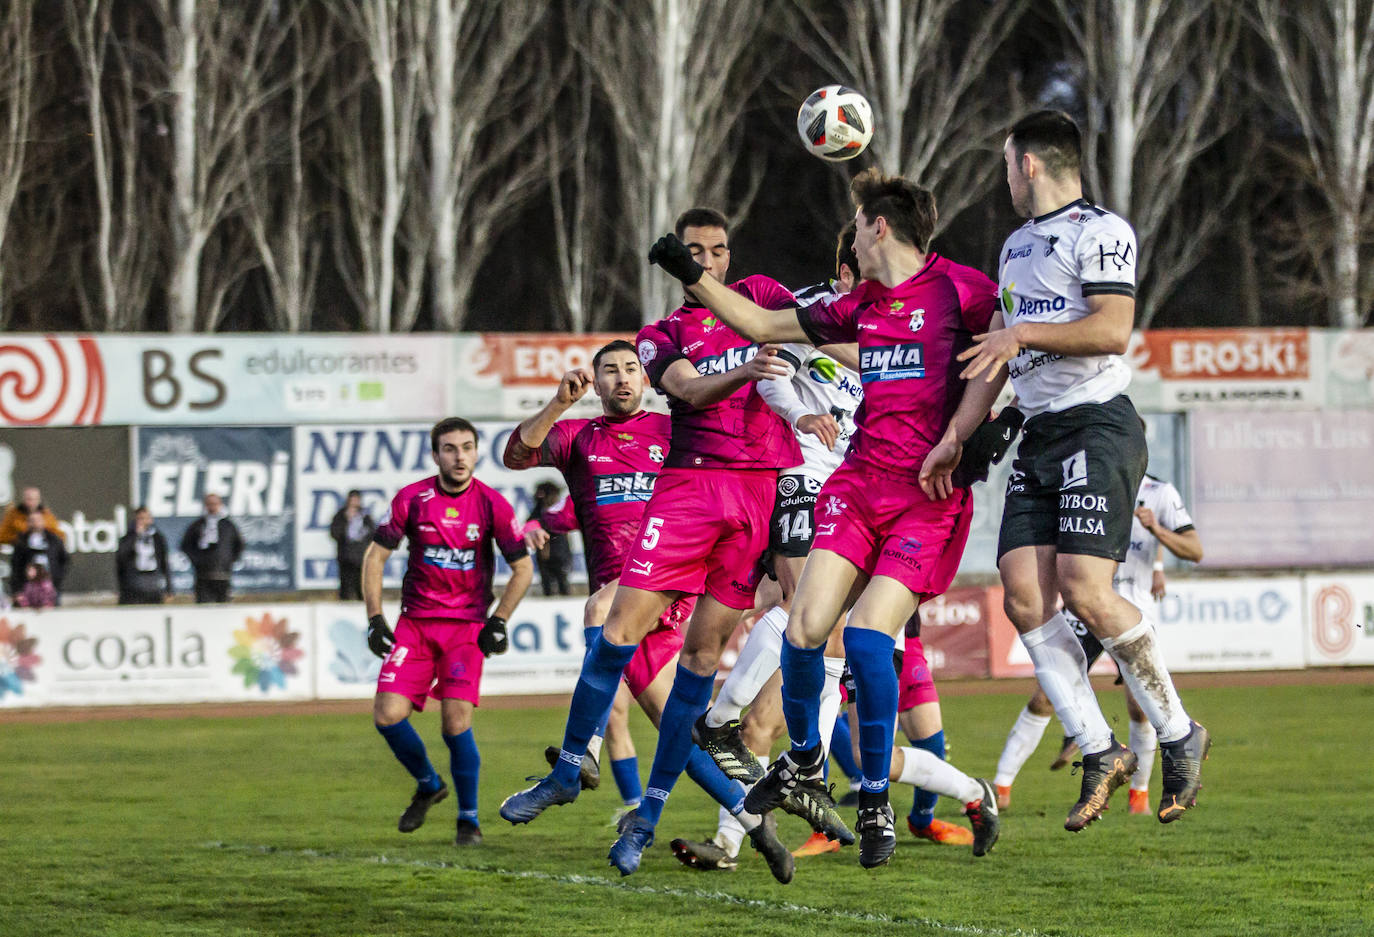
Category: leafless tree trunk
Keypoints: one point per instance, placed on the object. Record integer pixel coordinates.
(940, 116)
(1158, 87)
(1324, 50)
(128, 216)
(16, 89)
(219, 76)
(375, 130)
(673, 74)
(578, 170)
(490, 88)
(279, 209)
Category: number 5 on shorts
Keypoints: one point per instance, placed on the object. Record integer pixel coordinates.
(651, 533)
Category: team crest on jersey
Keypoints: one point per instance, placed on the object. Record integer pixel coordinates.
(656, 453)
(647, 351)
(918, 319)
(472, 531)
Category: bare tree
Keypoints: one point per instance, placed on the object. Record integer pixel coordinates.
(127, 223)
(1324, 51)
(279, 207)
(489, 89)
(219, 74)
(375, 132)
(17, 54)
(580, 193)
(1158, 92)
(938, 106)
(677, 75)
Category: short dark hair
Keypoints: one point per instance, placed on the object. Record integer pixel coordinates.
(844, 251)
(353, 492)
(908, 207)
(449, 424)
(700, 218)
(618, 345)
(1053, 137)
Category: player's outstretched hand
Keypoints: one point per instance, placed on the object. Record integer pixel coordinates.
(380, 638)
(674, 257)
(574, 386)
(766, 365)
(492, 638)
(989, 352)
(536, 537)
(821, 425)
(987, 446)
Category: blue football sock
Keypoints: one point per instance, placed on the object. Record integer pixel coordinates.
(700, 768)
(626, 774)
(465, 762)
(923, 805)
(410, 752)
(842, 748)
(803, 678)
(688, 699)
(870, 658)
(591, 702)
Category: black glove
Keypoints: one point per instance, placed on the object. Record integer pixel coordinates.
(380, 638)
(674, 257)
(492, 638)
(986, 447)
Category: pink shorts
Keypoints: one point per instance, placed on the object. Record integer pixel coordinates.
(704, 530)
(888, 527)
(916, 685)
(435, 657)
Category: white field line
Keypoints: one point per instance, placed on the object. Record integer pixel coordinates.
(572, 878)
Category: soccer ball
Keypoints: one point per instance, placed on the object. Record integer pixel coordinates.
(835, 123)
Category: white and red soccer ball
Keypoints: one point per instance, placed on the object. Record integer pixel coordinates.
(835, 123)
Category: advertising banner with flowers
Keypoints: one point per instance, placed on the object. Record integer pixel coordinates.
(156, 654)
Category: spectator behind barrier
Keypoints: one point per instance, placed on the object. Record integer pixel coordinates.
(554, 557)
(141, 570)
(213, 544)
(15, 521)
(352, 530)
(38, 546)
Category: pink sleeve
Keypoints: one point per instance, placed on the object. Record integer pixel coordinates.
(505, 529)
(768, 293)
(657, 350)
(977, 298)
(392, 530)
(831, 322)
(557, 448)
(560, 518)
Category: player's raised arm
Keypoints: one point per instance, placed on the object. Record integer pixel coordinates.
(522, 448)
(1106, 330)
(702, 390)
(744, 316)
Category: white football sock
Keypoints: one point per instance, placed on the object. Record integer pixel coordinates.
(1022, 740)
(1142, 666)
(730, 832)
(1143, 744)
(757, 661)
(929, 772)
(830, 700)
(1062, 671)
(594, 747)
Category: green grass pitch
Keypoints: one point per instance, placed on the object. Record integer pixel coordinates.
(285, 825)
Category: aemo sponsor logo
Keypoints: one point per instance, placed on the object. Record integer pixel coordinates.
(1026, 306)
(893, 362)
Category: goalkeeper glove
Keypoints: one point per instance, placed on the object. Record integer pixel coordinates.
(987, 446)
(674, 257)
(380, 638)
(492, 638)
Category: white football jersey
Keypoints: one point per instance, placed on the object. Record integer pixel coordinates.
(819, 384)
(1049, 267)
(1135, 575)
